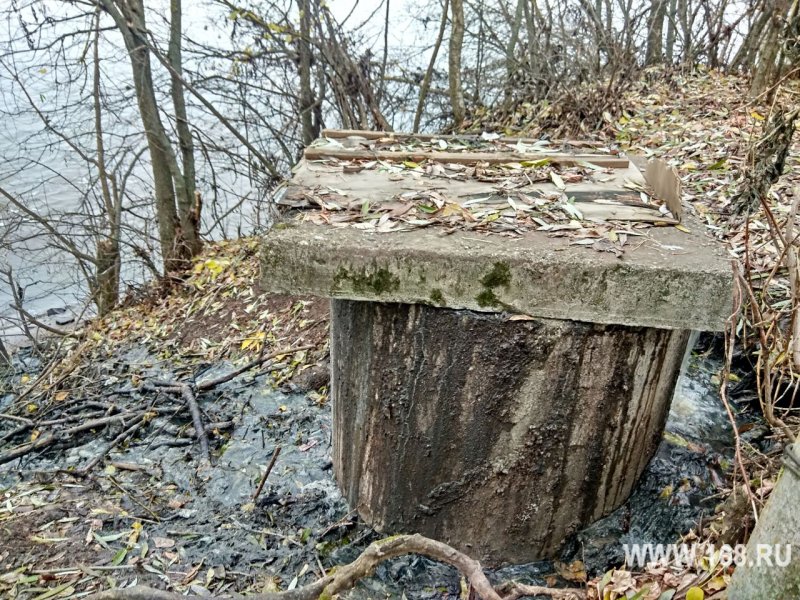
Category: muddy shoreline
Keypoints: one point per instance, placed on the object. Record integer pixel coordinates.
(199, 528)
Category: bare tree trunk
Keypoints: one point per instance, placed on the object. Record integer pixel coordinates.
(655, 31)
(686, 30)
(511, 62)
(669, 48)
(745, 57)
(476, 97)
(764, 71)
(385, 59)
(788, 46)
(304, 72)
(128, 16)
(454, 61)
(107, 266)
(188, 208)
(426, 81)
(529, 12)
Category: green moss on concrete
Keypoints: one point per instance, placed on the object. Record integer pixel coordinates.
(283, 225)
(379, 282)
(487, 298)
(500, 275)
(437, 296)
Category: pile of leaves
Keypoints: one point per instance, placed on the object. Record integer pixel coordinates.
(219, 311)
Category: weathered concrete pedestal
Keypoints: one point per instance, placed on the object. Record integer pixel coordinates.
(499, 437)
(494, 391)
(499, 434)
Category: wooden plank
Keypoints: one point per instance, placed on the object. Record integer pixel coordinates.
(468, 158)
(606, 193)
(666, 184)
(379, 135)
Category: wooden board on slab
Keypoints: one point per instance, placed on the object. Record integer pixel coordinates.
(418, 155)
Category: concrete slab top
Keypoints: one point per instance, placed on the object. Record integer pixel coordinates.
(534, 239)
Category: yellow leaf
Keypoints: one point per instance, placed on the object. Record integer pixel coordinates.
(214, 266)
(24, 379)
(535, 163)
(683, 228)
(31, 407)
(716, 584)
(695, 593)
(451, 208)
(758, 117)
(35, 435)
(61, 396)
(410, 164)
(254, 341)
(136, 529)
(44, 540)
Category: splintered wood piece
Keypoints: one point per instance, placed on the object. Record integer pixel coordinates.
(379, 135)
(468, 158)
(594, 211)
(666, 184)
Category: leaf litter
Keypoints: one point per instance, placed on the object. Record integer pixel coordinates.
(516, 197)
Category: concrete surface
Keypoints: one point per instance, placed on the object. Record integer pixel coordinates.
(666, 279)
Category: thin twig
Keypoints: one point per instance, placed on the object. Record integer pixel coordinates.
(197, 420)
(64, 434)
(267, 472)
(207, 385)
(16, 418)
(138, 422)
(730, 339)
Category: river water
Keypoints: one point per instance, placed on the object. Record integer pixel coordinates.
(52, 179)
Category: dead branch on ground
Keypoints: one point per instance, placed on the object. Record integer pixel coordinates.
(345, 577)
(188, 392)
(271, 464)
(130, 420)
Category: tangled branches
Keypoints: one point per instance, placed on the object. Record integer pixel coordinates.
(345, 578)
